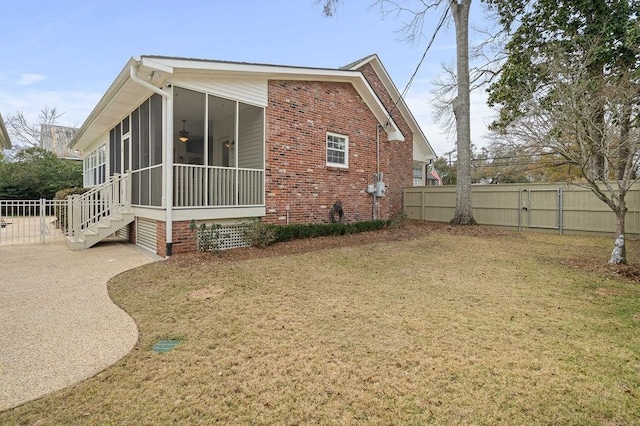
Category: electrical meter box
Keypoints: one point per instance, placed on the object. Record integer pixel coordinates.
(381, 189)
(371, 189)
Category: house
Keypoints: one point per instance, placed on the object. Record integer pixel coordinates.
(432, 178)
(181, 139)
(5, 141)
(56, 139)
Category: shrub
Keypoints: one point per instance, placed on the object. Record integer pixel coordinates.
(61, 212)
(269, 234)
(207, 238)
(260, 234)
(64, 193)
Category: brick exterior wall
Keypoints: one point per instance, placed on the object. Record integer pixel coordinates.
(401, 157)
(299, 115)
(184, 238)
(161, 242)
(298, 181)
(132, 233)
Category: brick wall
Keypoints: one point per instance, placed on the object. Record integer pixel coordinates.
(161, 243)
(132, 232)
(298, 117)
(401, 157)
(298, 182)
(184, 238)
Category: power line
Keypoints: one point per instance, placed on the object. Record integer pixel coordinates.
(443, 19)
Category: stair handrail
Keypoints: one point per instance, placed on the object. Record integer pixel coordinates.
(98, 203)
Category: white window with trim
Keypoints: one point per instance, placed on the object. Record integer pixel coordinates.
(337, 150)
(94, 167)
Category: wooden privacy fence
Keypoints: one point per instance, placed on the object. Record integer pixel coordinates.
(550, 207)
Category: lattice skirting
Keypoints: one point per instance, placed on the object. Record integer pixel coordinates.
(233, 236)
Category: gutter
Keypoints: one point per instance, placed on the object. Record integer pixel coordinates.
(167, 153)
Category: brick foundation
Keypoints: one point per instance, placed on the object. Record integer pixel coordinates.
(132, 233)
(184, 238)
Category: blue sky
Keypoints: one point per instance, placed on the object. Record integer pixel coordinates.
(66, 54)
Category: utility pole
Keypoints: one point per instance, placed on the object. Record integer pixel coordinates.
(449, 154)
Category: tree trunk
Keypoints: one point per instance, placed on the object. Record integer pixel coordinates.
(462, 112)
(619, 254)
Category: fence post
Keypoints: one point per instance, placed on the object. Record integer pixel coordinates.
(42, 220)
(74, 214)
(560, 211)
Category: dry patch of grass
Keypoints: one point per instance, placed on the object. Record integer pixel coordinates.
(439, 329)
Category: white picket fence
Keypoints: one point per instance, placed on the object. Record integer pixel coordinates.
(31, 221)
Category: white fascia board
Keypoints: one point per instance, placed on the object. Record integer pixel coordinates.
(88, 133)
(91, 129)
(155, 64)
(421, 142)
(80, 141)
(276, 72)
(238, 68)
(382, 115)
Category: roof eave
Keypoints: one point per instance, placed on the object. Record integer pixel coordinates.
(427, 150)
(77, 141)
(168, 66)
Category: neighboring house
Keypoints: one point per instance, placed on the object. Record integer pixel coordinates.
(182, 139)
(5, 141)
(57, 139)
(432, 178)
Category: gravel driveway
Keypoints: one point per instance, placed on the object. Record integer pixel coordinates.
(58, 325)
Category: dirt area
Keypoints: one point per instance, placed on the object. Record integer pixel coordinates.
(407, 230)
(629, 272)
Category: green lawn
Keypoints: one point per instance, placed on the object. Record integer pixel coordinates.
(441, 329)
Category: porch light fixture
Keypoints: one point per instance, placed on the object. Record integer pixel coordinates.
(184, 135)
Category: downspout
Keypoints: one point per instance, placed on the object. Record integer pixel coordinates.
(167, 153)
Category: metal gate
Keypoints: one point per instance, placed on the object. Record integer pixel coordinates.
(540, 208)
(32, 221)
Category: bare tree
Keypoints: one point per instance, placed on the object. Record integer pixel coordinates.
(563, 122)
(27, 134)
(570, 85)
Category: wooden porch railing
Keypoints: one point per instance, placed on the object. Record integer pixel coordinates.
(209, 186)
(87, 209)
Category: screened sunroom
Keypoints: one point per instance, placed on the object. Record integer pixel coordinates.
(218, 151)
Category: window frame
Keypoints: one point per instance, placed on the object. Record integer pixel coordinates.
(346, 150)
(94, 169)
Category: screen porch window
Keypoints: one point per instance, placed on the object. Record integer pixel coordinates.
(95, 167)
(337, 150)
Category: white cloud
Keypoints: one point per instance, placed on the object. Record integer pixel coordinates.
(29, 79)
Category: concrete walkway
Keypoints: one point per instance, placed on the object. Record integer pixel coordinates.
(58, 325)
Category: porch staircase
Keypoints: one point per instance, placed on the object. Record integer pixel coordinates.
(99, 213)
